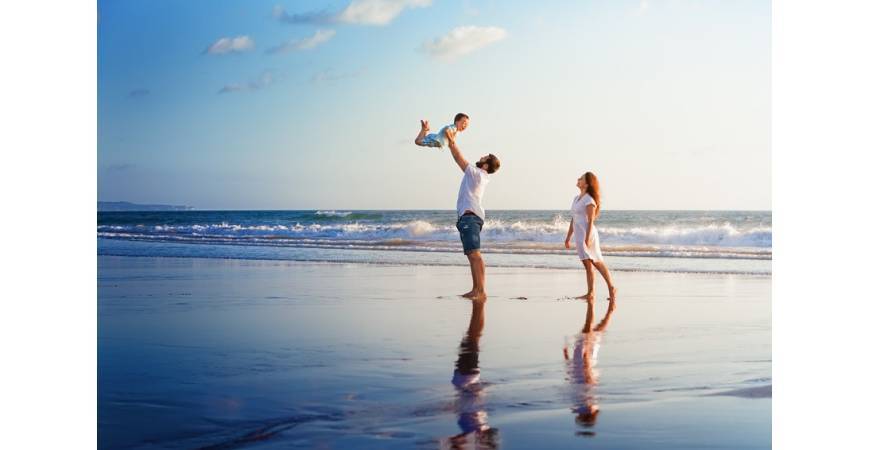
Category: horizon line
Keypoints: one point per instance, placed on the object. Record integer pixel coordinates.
(194, 209)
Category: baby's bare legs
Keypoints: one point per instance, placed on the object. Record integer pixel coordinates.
(424, 128)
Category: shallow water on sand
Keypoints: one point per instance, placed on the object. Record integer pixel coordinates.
(236, 354)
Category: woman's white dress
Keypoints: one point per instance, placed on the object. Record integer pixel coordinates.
(578, 212)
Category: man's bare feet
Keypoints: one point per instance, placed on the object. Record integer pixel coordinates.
(589, 296)
(475, 295)
(612, 291)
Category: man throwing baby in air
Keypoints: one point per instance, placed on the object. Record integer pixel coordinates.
(468, 203)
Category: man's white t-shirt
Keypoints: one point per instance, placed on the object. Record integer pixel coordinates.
(471, 191)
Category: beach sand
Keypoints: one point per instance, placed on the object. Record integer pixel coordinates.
(211, 353)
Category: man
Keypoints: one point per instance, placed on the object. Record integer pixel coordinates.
(471, 213)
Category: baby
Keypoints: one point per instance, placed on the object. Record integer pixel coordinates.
(439, 140)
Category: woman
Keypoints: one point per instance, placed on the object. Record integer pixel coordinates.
(584, 211)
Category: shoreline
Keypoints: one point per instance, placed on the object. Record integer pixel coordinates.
(623, 264)
(394, 264)
(554, 250)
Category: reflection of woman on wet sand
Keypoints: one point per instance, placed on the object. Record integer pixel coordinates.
(469, 406)
(582, 370)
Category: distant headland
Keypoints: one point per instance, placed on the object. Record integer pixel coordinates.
(127, 206)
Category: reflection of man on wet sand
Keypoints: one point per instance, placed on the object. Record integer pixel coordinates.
(582, 371)
(469, 405)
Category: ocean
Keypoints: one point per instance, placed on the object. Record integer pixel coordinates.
(736, 242)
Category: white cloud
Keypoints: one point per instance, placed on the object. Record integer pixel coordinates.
(462, 41)
(358, 12)
(377, 12)
(264, 81)
(641, 8)
(225, 45)
(313, 17)
(234, 87)
(319, 37)
(308, 43)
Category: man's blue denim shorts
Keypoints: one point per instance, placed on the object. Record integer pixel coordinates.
(469, 227)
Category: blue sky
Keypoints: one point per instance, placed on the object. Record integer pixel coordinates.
(314, 105)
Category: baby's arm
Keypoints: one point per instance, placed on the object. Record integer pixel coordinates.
(450, 132)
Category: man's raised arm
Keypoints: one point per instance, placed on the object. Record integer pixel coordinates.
(454, 150)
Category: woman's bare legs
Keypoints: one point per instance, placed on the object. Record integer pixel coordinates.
(590, 281)
(602, 268)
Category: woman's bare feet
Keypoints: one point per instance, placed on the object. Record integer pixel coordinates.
(589, 296)
(424, 124)
(612, 291)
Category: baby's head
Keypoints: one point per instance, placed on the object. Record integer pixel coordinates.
(461, 121)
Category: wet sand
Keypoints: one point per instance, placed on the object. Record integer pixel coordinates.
(208, 353)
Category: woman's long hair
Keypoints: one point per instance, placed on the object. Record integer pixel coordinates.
(593, 190)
